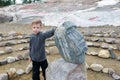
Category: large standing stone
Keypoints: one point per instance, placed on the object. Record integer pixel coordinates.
(70, 43)
(62, 70)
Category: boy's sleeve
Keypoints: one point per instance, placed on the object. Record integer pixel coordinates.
(49, 33)
(30, 47)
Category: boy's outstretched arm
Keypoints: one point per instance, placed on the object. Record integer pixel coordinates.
(49, 33)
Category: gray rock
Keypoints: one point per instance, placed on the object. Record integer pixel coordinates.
(26, 55)
(66, 71)
(95, 40)
(70, 43)
(20, 72)
(106, 35)
(9, 43)
(96, 67)
(93, 53)
(110, 40)
(29, 68)
(99, 35)
(12, 33)
(111, 71)
(11, 59)
(118, 58)
(96, 45)
(113, 56)
(113, 34)
(4, 76)
(115, 76)
(8, 49)
(22, 41)
(20, 57)
(104, 46)
(4, 61)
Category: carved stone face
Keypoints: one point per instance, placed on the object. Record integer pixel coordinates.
(70, 43)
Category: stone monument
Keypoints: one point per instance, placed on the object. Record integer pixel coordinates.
(70, 43)
(72, 47)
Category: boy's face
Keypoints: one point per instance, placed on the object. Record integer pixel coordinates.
(36, 28)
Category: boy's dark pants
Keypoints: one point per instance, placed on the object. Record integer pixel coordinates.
(36, 68)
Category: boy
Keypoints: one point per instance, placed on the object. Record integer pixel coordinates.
(37, 49)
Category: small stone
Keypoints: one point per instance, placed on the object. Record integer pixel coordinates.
(20, 72)
(104, 54)
(29, 68)
(11, 72)
(115, 76)
(12, 33)
(47, 52)
(2, 52)
(20, 57)
(111, 71)
(104, 45)
(4, 61)
(96, 67)
(26, 55)
(11, 59)
(4, 76)
(87, 66)
(9, 43)
(90, 44)
(94, 53)
(22, 41)
(105, 70)
(8, 49)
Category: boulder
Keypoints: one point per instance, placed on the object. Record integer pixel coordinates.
(66, 71)
(12, 33)
(104, 54)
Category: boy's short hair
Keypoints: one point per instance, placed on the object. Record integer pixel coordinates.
(36, 21)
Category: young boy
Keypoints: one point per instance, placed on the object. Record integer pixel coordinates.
(37, 49)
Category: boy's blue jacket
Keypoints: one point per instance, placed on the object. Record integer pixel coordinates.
(37, 45)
